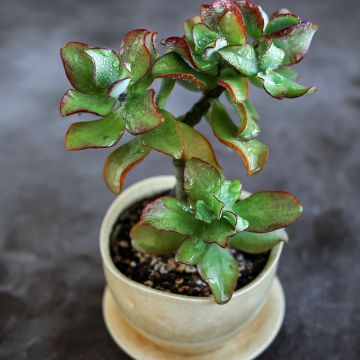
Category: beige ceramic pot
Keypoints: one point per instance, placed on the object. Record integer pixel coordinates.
(179, 323)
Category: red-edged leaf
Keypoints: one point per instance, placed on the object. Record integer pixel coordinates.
(74, 102)
(172, 66)
(270, 57)
(191, 251)
(218, 232)
(255, 18)
(103, 133)
(121, 161)
(169, 214)
(79, 67)
(197, 146)
(235, 84)
(281, 21)
(181, 47)
(204, 39)
(140, 112)
(295, 41)
(188, 28)
(146, 239)
(254, 153)
(167, 138)
(269, 210)
(119, 87)
(232, 27)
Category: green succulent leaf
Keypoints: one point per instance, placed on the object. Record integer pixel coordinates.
(202, 212)
(75, 102)
(121, 161)
(281, 87)
(217, 232)
(203, 38)
(220, 270)
(106, 67)
(295, 41)
(135, 56)
(119, 87)
(239, 224)
(79, 67)
(232, 27)
(146, 239)
(167, 138)
(281, 22)
(236, 85)
(103, 133)
(255, 243)
(172, 66)
(167, 86)
(191, 251)
(169, 214)
(268, 211)
(197, 146)
(253, 153)
(242, 58)
(269, 56)
(188, 28)
(229, 193)
(288, 73)
(255, 18)
(140, 112)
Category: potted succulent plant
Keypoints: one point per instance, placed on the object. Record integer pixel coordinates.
(167, 242)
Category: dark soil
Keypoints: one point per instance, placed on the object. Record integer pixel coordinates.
(163, 273)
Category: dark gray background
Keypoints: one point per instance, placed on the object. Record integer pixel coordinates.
(52, 202)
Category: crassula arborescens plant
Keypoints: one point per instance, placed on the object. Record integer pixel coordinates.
(229, 45)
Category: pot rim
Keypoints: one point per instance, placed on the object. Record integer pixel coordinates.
(107, 225)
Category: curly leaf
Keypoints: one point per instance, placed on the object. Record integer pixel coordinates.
(121, 161)
(197, 146)
(242, 58)
(188, 28)
(269, 56)
(172, 66)
(268, 211)
(140, 112)
(255, 18)
(229, 193)
(169, 214)
(280, 22)
(232, 27)
(75, 102)
(79, 67)
(191, 251)
(102, 133)
(295, 41)
(203, 38)
(253, 152)
(281, 87)
(106, 67)
(180, 46)
(135, 56)
(146, 239)
(254, 243)
(235, 84)
(220, 270)
(217, 232)
(166, 138)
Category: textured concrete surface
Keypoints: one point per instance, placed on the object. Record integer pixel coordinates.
(52, 202)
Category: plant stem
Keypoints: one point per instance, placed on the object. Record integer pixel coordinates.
(192, 118)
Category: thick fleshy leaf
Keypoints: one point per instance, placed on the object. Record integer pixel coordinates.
(242, 58)
(268, 211)
(217, 232)
(220, 270)
(235, 84)
(232, 27)
(169, 214)
(172, 66)
(191, 251)
(166, 138)
(270, 57)
(180, 46)
(167, 86)
(229, 193)
(197, 146)
(238, 223)
(119, 87)
(255, 243)
(253, 153)
(135, 56)
(79, 67)
(150, 42)
(280, 22)
(255, 18)
(203, 212)
(288, 72)
(75, 102)
(103, 133)
(121, 161)
(106, 67)
(188, 28)
(295, 41)
(146, 239)
(280, 87)
(203, 38)
(140, 112)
